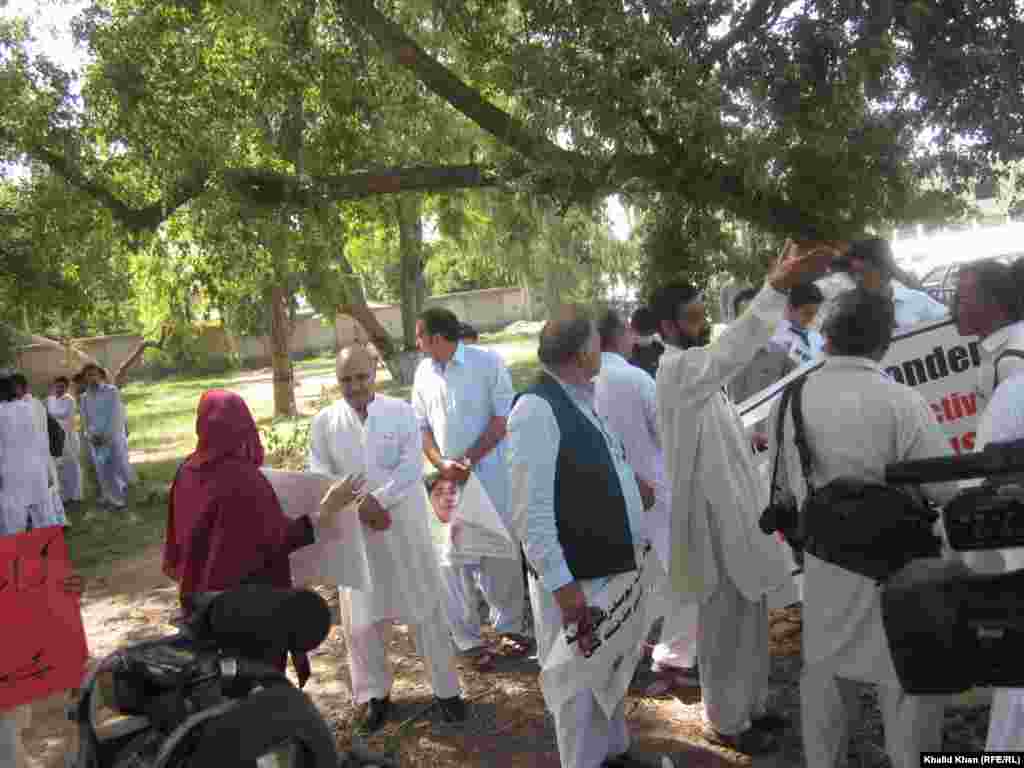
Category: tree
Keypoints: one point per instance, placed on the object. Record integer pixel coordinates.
(801, 118)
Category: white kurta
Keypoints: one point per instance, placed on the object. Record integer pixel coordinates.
(69, 466)
(857, 420)
(710, 466)
(625, 397)
(403, 569)
(1002, 421)
(24, 473)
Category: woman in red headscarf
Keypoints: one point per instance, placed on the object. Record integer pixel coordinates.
(225, 526)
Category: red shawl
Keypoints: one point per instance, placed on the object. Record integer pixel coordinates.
(224, 522)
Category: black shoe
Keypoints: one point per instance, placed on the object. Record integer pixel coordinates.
(377, 712)
(749, 742)
(770, 721)
(630, 760)
(453, 709)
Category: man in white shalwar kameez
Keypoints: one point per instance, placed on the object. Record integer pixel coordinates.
(856, 421)
(103, 420)
(378, 437)
(462, 396)
(626, 398)
(988, 306)
(719, 557)
(61, 406)
(54, 505)
(24, 504)
(578, 509)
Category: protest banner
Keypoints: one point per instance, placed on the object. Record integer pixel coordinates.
(934, 359)
(44, 648)
(620, 634)
(338, 558)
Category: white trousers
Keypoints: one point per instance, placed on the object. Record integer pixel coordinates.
(500, 580)
(828, 704)
(1006, 721)
(678, 646)
(69, 470)
(586, 737)
(734, 658)
(12, 723)
(370, 666)
(114, 476)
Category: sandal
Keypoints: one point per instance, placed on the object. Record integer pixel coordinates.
(516, 645)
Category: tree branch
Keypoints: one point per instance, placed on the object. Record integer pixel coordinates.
(446, 84)
(267, 187)
(720, 186)
(145, 219)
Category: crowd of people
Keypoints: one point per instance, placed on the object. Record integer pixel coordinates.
(625, 489)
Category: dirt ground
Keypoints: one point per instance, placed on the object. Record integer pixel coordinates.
(508, 727)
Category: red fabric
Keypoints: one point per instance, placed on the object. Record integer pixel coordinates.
(224, 522)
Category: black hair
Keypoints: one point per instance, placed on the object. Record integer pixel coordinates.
(873, 250)
(438, 321)
(467, 331)
(806, 293)
(62, 380)
(561, 341)
(997, 284)
(860, 324)
(667, 300)
(610, 326)
(7, 392)
(745, 295)
(644, 321)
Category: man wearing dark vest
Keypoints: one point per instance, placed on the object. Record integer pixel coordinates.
(578, 510)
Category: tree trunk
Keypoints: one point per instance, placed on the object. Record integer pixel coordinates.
(121, 375)
(280, 335)
(409, 210)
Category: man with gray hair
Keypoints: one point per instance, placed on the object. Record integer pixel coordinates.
(577, 507)
(856, 420)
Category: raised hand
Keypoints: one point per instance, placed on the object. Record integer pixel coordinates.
(803, 261)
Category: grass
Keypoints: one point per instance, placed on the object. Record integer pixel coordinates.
(161, 419)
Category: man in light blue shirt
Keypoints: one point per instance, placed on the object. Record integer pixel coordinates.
(462, 396)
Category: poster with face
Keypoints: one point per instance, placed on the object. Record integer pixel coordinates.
(465, 525)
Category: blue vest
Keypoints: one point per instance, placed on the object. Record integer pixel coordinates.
(590, 509)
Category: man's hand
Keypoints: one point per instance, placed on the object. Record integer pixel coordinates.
(454, 470)
(647, 494)
(372, 514)
(339, 496)
(73, 585)
(804, 261)
(571, 602)
(759, 441)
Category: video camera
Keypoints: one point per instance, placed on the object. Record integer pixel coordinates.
(950, 630)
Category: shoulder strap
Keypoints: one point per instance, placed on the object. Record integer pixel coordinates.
(799, 436)
(995, 366)
(780, 420)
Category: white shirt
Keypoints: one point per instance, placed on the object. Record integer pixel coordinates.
(717, 493)
(533, 438)
(914, 307)
(1009, 337)
(626, 398)
(457, 403)
(387, 448)
(802, 345)
(24, 468)
(1003, 421)
(856, 420)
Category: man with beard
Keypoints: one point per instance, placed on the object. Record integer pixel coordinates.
(718, 555)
